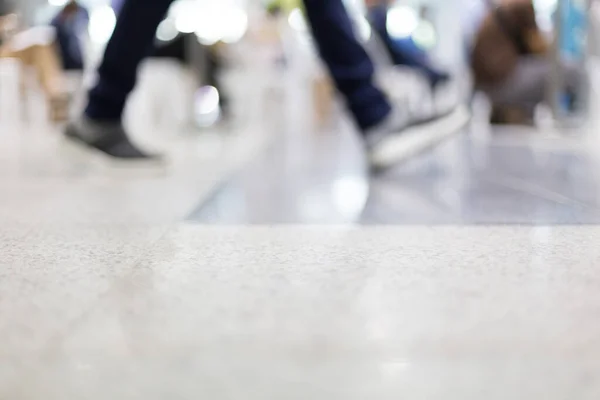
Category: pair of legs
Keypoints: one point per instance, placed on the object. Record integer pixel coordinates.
(527, 87)
(347, 61)
(386, 130)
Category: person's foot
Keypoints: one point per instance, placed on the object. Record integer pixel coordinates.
(400, 135)
(109, 138)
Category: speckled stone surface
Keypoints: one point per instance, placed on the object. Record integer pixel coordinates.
(295, 313)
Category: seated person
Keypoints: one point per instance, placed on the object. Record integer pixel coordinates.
(402, 51)
(510, 61)
(35, 49)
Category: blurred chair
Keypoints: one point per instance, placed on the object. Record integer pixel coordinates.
(10, 91)
(35, 50)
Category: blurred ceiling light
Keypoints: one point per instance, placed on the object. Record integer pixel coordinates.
(176, 8)
(57, 3)
(208, 29)
(102, 24)
(222, 23)
(236, 25)
(186, 22)
(207, 39)
(187, 15)
(210, 22)
(166, 30)
(402, 21)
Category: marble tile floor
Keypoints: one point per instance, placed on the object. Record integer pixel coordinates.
(296, 312)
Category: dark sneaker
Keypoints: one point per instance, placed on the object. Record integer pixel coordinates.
(109, 138)
(399, 137)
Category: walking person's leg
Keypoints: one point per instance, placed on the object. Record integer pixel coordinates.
(131, 41)
(349, 65)
(391, 133)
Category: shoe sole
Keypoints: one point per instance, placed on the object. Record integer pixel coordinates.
(74, 143)
(417, 138)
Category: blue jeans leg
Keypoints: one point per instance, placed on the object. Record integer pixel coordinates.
(349, 64)
(131, 41)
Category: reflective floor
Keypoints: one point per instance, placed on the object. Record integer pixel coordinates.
(506, 176)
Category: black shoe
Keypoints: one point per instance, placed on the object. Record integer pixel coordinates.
(109, 138)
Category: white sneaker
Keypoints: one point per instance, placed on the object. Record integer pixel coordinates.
(399, 137)
(421, 118)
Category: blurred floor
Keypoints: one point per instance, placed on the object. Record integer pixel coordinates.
(513, 176)
(48, 181)
(476, 275)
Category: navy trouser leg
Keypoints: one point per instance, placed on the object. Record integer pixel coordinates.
(351, 68)
(131, 41)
